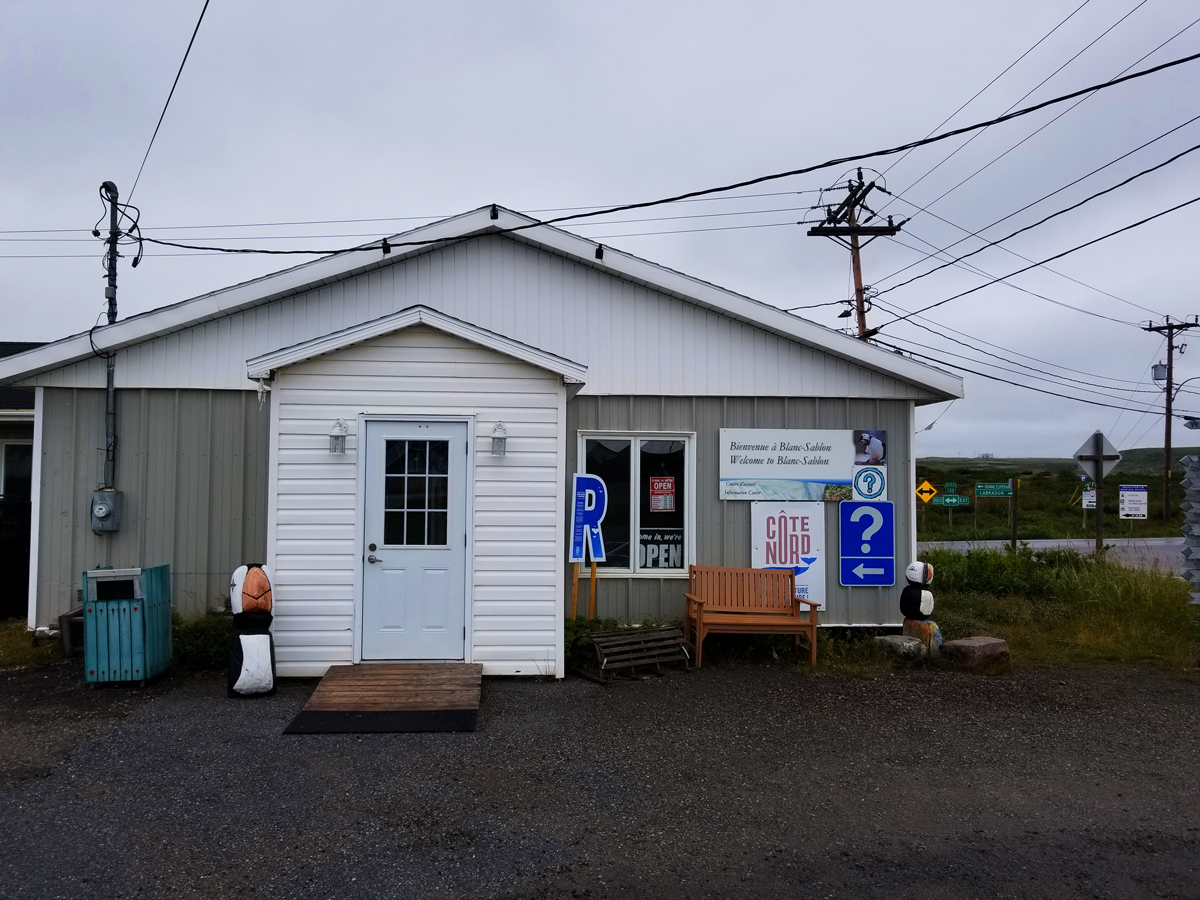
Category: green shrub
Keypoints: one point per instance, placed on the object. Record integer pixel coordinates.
(578, 644)
(202, 644)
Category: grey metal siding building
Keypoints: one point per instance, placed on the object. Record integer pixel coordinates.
(225, 404)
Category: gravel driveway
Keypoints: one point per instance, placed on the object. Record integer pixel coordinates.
(728, 782)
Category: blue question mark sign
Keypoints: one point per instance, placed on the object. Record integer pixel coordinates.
(869, 483)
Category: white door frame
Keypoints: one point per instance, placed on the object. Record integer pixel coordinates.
(360, 498)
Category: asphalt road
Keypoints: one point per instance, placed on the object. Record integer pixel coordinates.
(1164, 553)
(728, 782)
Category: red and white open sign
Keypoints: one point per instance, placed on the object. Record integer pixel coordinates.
(662, 494)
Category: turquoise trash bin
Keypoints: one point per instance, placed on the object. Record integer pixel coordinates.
(126, 624)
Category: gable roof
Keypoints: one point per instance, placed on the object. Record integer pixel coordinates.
(262, 366)
(488, 219)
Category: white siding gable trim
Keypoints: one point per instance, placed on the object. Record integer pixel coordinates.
(262, 366)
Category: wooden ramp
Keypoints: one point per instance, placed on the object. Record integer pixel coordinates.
(381, 697)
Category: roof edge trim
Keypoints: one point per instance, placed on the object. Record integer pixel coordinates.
(261, 366)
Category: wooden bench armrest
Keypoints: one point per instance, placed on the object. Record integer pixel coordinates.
(693, 599)
(813, 603)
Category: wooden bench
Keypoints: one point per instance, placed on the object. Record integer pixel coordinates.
(746, 601)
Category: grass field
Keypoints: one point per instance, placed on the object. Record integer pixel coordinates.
(1048, 499)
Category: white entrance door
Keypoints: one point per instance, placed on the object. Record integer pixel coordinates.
(415, 540)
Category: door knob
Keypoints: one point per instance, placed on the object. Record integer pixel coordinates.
(372, 558)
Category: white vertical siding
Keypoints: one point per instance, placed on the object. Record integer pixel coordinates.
(632, 338)
(515, 579)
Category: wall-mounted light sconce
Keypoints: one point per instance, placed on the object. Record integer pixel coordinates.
(337, 437)
(499, 439)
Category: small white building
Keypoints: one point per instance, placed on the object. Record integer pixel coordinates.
(422, 540)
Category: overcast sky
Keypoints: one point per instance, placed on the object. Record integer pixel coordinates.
(300, 112)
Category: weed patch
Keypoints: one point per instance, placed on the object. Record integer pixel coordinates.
(17, 649)
(1060, 607)
(202, 643)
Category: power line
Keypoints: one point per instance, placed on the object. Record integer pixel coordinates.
(301, 237)
(1042, 128)
(1141, 381)
(1027, 387)
(993, 81)
(213, 251)
(1044, 220)
(1052, 376)
(1049, 380)
(1022, 99)
(399, 218)
(1043, 198)
(971, 267)
(1042, 262)
(195, 31)
(1095, 379)
(913, 322)
(748, 182)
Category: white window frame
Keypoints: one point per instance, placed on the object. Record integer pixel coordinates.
(4, 454)
(635, 507)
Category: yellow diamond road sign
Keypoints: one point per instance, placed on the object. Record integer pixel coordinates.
(926, 491)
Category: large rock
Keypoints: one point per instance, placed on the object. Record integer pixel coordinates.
(975, 653)
(898, 647)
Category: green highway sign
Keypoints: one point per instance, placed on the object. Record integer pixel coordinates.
(994, 489)
(950, 500)
(951, 487)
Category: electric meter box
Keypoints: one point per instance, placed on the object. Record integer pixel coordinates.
(106, 511)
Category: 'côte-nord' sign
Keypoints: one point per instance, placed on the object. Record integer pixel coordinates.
(791, 536)
(589, 501)
(798, 464)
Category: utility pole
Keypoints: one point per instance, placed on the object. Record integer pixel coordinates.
(1170, 329)
(842, 223)
(110, 294)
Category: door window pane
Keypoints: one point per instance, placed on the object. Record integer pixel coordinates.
(417, 457)
(409, 490)
(611, 460)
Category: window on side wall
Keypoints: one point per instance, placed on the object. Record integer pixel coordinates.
(647, 526)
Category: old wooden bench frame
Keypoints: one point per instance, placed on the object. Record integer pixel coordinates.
(746, 601)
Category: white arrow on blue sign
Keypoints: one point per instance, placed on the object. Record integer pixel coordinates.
(867, 544)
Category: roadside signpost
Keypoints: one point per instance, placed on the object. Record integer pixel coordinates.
(1000, 489)
(951, 500)
(867, 544)
(1097, 457)
(1134, 501)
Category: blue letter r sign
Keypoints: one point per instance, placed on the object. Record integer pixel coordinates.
(587, 512)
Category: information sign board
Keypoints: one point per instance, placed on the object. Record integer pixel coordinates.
(1134, 501)
(1089, 499)
(951, 487)
(867, 544)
